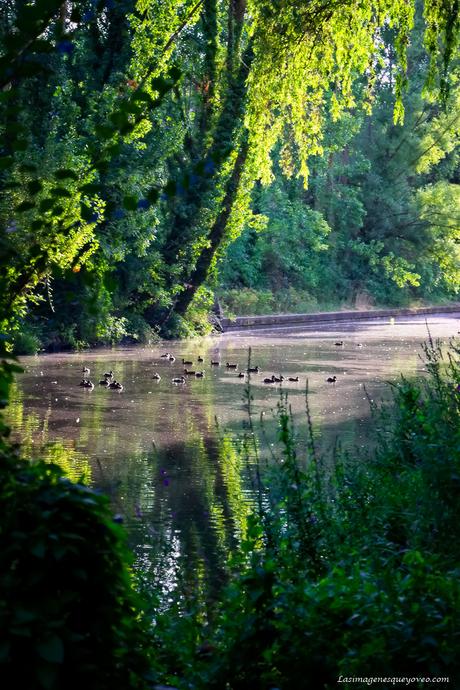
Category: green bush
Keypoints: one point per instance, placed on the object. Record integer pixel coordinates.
(140, 331)
(26, 343)
(282, 629)
(351, 566)
(417, 459)
(252, 302)
(67, 607)
(248, 302)
(112, 330)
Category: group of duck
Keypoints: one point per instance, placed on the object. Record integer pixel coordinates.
(229, 366)
(178, 380)
(108, 380)
(199, 374)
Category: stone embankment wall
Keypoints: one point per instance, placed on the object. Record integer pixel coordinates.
(273, 320)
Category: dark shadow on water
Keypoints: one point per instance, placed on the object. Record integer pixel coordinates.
(178, 483)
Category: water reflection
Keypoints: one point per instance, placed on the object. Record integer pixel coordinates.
(179, 483)
(32, 429)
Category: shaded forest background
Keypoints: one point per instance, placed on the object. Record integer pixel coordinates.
(140, 185)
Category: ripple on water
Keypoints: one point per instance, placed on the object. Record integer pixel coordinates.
(175, 477)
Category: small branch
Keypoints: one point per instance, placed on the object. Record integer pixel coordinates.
(182, 26)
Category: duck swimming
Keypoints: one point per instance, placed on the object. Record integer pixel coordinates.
(254, 370)
(199, 374)
(115, 385)
(215, 363)
(200, 359)
(85, 370)
(178, 380)
(293, 378)
(231, 366)
(339, 343)
(156, 376)
(270, 380)
(331, 379)
(186, 362)
(104, 382)
(86, 383)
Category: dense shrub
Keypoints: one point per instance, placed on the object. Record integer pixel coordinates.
(67, 606)
(251, 302)
(26, 343)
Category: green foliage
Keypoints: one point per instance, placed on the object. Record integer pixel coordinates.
(140, 331)
(387, 197)
(286, 251)
(350, 567)
(59, 187)
(67, 602)
(249, 301)
(423, 454)
(134, 134)
(285, 631)
(113, 330)
(26, 343)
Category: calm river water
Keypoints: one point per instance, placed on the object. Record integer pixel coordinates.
(173, 474)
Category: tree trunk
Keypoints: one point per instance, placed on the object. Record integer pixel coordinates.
(227, 131)
(217, 188)
(216, 236)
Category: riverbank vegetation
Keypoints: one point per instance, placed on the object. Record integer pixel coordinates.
(155, 155)
(347, 566)
(350, 566)
(280, 157)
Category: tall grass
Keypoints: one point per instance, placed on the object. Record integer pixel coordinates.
(351, 564)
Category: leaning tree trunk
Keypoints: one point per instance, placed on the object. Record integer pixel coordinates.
(229, 135)
(216, 236)
(220, 188)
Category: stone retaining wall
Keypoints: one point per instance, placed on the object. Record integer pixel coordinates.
(250, 322)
